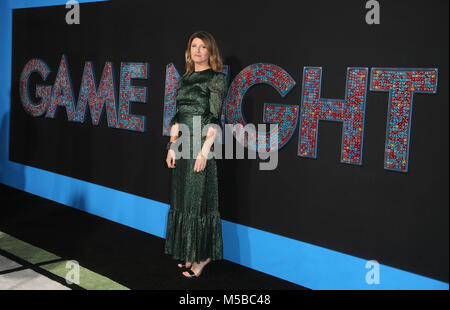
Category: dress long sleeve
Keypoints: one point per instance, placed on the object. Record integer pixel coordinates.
(218, 91)
(175, 117)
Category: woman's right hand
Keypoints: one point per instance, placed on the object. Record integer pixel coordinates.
(170, 160)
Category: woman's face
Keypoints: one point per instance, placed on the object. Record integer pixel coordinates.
(199, 52)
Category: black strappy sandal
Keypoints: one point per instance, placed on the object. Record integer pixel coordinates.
(183, 266)
(193, 275)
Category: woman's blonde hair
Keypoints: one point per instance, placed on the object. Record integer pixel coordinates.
(215, 59)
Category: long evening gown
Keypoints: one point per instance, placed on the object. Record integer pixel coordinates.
(194, 228)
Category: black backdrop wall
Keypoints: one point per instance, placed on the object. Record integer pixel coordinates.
(400, 219)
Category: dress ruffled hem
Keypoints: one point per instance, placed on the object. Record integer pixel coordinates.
(194, 238)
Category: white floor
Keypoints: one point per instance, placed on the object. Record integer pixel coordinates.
(25, 279)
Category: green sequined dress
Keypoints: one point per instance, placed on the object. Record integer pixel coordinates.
(194, 228)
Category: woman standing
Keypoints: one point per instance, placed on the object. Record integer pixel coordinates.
(194, 229)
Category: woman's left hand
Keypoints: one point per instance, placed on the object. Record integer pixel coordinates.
(200, 162)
